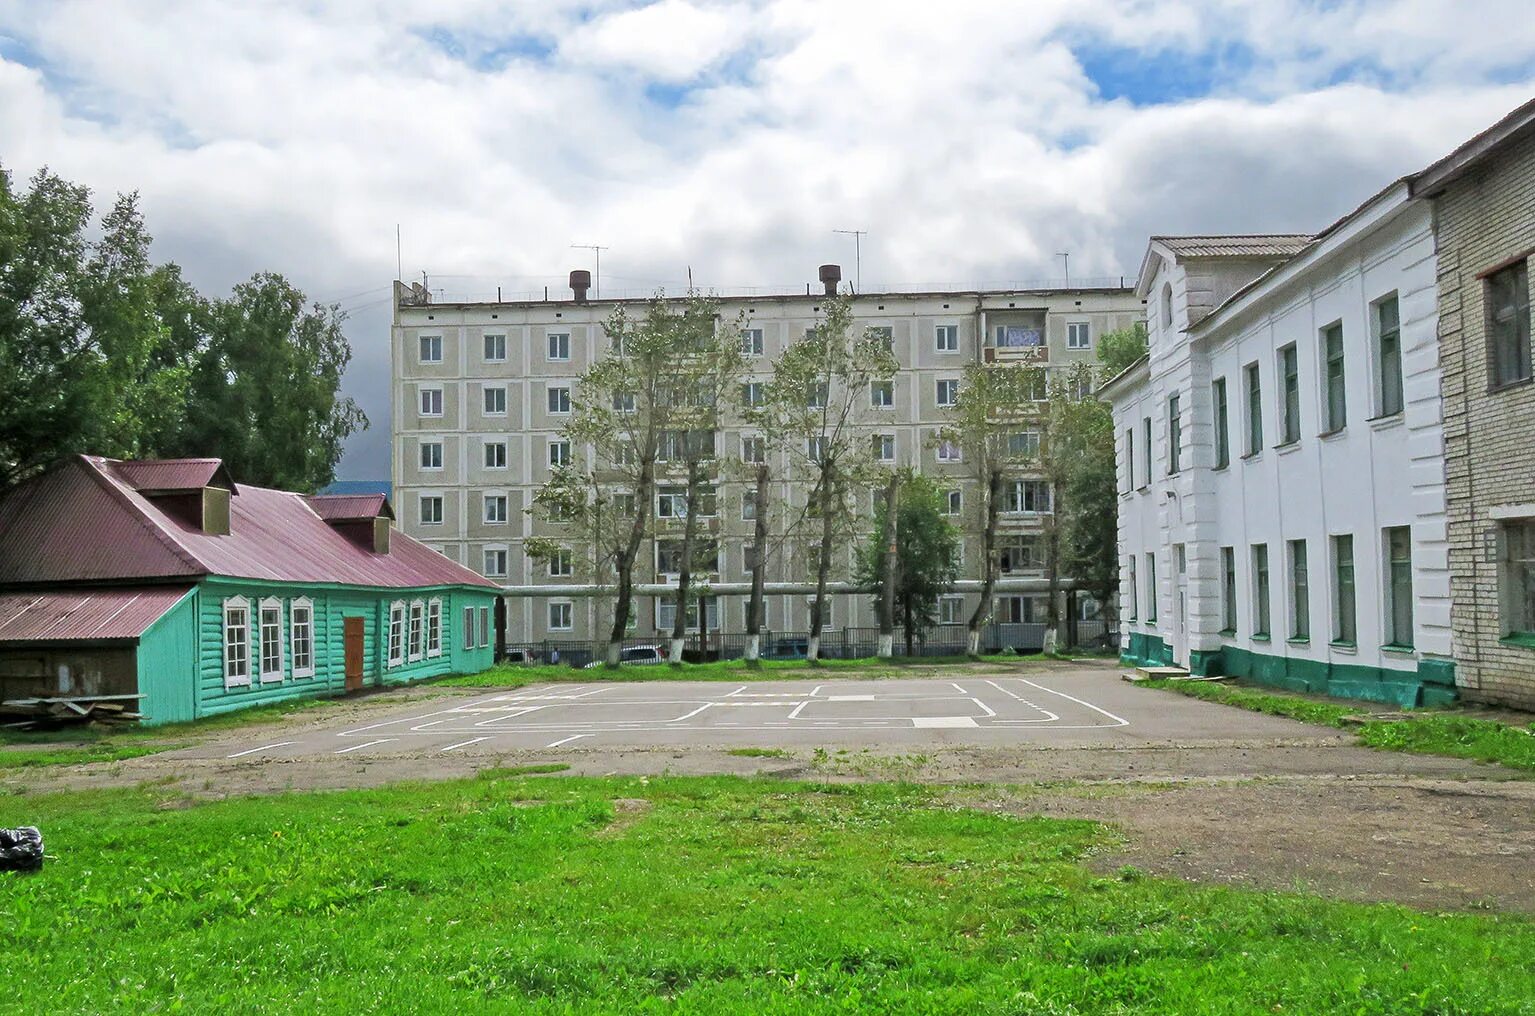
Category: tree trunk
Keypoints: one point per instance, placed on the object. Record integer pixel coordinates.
(982, 610)
(759, 572)
(907, 610)
(823, 567)
(685, 573)
(623, 565)
(1053, 559)
(887, 596)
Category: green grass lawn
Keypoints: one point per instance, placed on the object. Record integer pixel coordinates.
(717, 895)
(1430, 732)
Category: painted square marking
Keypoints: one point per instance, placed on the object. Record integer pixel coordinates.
(942, 721)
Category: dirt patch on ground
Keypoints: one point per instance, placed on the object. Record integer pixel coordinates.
(626, 812)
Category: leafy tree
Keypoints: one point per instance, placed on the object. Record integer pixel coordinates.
(263, 393)
(1082, 442)
(1119, 349)
(927, 547)
(814, 405)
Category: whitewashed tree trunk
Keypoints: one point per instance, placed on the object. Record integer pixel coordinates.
(813, 648)
(675, 656)
(613, 653)
(886, 646)
(753, 648)
(973, 642)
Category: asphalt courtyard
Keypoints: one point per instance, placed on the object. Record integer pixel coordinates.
(1071, 709)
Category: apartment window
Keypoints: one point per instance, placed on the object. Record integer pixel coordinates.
(484, 627)
(623, 402)
(946, 338)
(1174, 435)
(1254, 409)
(301, 636)
(271, 640)
(1151, 589)
(1131, 592)
(1388, 350)
(753, 449)
(949, 451)
(882, 394)
(417, 629)
(495, 563)
(559, 453)
(748, 557)
(1078, 335)
(1020, 553)
(1229, 590)
(236, 642)
(815, 448)
(1129, 459)
(1031, 496)
(1023, 444)
(1222, 437)
(1260, 590)
(559, 345)
(1337, 399)
(1289, 371)
(431, 401)
(495, 348)
(561, 613)
(1508, 324)
(431, 509)
(885, 336)
(431, 454)
(826, 611)
(947, 392)
(1345, 627)
(749, 506)
(751, 394)
(495, 401)
(1300, 592)
(951, 609)
(816, 395)
(751, 341)
(1398, 540)
(562, 564)
(1146, 452)
(396, 633)
(666, 614)
(495, 454)
(1516, 577)
(468, 627)
(672, 503)
(953, 502)
(431, 349)
(495, 509)
(434, 627)
(884, 447)
(559, 400)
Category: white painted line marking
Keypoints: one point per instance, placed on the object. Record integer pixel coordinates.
(1119, 721)
(687, 716)
(738, 690)
(264, 747)
(816, 690)
(433, 723)
(365, 744)
(958, 688)
(567, 740)
(1052, 717)
(850, 698)
(801, 705)
(987, 709)
(921, 722)
(465, 744)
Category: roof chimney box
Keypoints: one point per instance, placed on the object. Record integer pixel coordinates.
(830, 276)
(580, 282)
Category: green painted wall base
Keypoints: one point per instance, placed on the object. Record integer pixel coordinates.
(1432, 684)
(1145, 650)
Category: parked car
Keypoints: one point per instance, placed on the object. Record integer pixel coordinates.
(788, 649)
(637, 655)
(518, 656)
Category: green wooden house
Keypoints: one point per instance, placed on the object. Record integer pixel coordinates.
(167, 580)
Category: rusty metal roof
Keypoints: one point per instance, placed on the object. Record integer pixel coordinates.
(173, 474)
(1256, 245)
(336, 507)
(84, 614)
(82, 522)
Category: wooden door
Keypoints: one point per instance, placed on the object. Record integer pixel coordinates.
(352, 639)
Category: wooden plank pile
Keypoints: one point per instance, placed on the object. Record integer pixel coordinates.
(47, 712)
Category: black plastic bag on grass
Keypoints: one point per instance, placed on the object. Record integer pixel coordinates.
(21, 849)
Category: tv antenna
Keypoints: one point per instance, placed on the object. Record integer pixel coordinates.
(1065, 256)
(857, 235)
(597, 269)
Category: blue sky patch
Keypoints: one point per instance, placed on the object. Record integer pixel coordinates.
(1147, 78)
(487, 53)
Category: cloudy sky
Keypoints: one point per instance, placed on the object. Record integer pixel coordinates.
(972, 139)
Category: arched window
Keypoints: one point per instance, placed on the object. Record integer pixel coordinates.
(1167, 305)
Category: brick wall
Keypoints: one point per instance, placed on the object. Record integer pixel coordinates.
(1482, 220)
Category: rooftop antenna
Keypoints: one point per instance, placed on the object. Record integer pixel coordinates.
(1065, 256)
(858, 235)
(597, 269)
(399, 258)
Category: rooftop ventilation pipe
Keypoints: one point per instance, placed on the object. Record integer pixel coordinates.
(580, 282)
(830, 276)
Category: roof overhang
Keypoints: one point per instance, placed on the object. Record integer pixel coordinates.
(1137, 373)
(1433, 179)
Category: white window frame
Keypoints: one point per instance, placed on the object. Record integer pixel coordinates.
(492, 390)
(424, 401)
(421, 345)
(396, 635)
(416, 636)
(434, 627)
(505, 457)
(273, 604)
(749, 506)
(751, 393)
(552, 343)
(421, 456)
(886, 443)
(305, 605)
(887, 388)
(421, 515)
(954, 605)
(946, 338)
(751, 342)
(561, 459)
(562, 564)
(242, 677)
(558, 399)
(753, 448)
(569, 609)
(949, 451)
(486, 501)
(1085, 328)
(489, 339)
(831, 612)
(954, 502)
(939, 386)
(485, 562)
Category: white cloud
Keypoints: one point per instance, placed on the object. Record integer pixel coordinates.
(966, 138)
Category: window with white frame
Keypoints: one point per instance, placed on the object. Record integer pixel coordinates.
(623, 402)
(946, 338)
(882, 394)
(666, 613)
(1020, 553)
(495, 562)
(562, 564)
(1023, 444)
(417, 629)
(751, 341)
(1516, 580)
(495, 400)
(1078, 335)
(301, 636)
(947, 392)
(749, 506)
(885, 336)
(883, 447)
(495, 454)
(431, 349)
(468, 627)
(434, 627)
(271, 640)
(495, 509)
(746, 614)
(951, 609)
(815, 448)
(748, 557)
(431, 401)
(561, 615)
(484, 627)
(949, 451)
(753, 449)
(396, 633)
(1031, 496)
(672, 503)
(826, 611)
(431, 509)
(816, 394)
(559, 346)
(953, 502)
(559, 453)
(559, 399)
(431, 454)
(236, 642)
(751, 394)
(495, 348)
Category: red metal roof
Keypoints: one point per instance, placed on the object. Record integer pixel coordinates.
(173, 474)
(332, 507)
(82, 522)
(84, 614)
